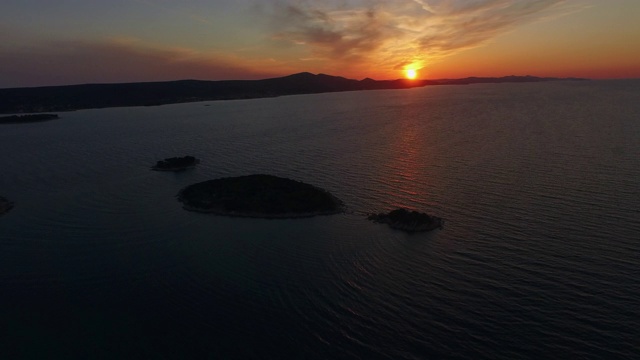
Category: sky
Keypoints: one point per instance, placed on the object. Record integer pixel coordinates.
(45, 42)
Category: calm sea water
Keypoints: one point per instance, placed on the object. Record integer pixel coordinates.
(539, 258)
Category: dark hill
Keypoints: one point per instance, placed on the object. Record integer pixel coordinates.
(89, 96)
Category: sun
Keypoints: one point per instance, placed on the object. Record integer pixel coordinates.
(411, 74)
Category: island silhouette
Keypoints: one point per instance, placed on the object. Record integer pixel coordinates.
(92, 96)
(260, 196)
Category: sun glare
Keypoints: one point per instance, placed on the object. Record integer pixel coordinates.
(411, 74)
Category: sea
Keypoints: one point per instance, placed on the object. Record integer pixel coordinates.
(539, 257)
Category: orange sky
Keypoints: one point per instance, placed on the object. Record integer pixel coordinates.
(156, 40)
(600, 41)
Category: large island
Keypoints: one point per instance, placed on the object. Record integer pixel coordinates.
(262, 196)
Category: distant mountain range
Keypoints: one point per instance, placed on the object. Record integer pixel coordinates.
(90, 96)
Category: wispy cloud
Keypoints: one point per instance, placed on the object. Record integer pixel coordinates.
(343, 33)
(395, 34)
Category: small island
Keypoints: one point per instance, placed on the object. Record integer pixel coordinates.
(409, 221)
(260, 196)
(19, 119)
(5, 205)
(176, 163)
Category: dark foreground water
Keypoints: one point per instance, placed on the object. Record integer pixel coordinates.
(540, 256)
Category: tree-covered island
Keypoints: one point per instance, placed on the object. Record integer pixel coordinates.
(262, 196)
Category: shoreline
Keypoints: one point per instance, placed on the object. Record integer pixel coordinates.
(63, 98)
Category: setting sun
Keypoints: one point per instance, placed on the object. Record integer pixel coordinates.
(411, 73)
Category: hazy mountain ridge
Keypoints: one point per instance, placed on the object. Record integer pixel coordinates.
(88, 96)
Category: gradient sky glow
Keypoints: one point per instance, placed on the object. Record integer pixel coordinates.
(89, 41)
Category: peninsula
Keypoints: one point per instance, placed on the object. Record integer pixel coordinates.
(93, 96)
(409, 221)
(261, 196)
(176, 163)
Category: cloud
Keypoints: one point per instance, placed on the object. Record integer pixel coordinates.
(342, 34)
(354, 37)
(461, 25)
(395, 34)
(115, 60)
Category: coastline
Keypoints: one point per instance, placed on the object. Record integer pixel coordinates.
(99, 96)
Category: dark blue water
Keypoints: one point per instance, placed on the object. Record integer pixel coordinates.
(539, 258)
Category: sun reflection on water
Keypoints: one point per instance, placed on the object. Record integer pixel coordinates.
(408, 156)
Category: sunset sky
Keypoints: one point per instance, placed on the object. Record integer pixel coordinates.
(45, 42)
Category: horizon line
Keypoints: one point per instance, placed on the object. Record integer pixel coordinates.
(315, 74)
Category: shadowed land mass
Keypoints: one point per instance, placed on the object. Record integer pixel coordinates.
(262, 196)
(91, 96)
